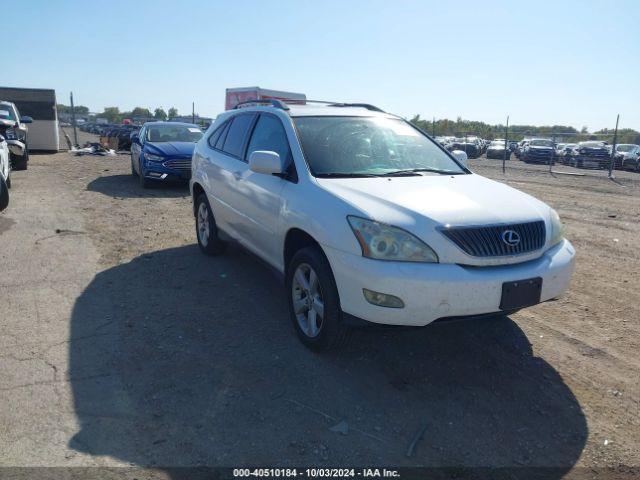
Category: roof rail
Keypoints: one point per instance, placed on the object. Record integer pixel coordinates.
(368, 106)
(267, 101)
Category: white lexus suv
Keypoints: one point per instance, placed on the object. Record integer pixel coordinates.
(370, 220)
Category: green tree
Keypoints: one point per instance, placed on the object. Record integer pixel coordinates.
(173, 112)
(159, 114)
(80, 109)
(112, 114)
(141, 112)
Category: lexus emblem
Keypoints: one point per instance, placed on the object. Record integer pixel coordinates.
(511, 238)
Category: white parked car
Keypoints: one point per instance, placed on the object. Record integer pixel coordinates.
(5, 163)
(369, 220)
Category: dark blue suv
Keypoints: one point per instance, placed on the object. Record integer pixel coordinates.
(162, 151)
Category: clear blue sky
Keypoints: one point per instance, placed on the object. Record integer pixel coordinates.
(559, 62)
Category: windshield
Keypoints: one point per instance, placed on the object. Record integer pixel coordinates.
(6, 113)
(624, 148)
(173, 133)
(541, 143)
(368, 146)
(592, 144)
(497, 143)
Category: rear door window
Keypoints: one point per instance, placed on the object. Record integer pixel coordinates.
(237, 135)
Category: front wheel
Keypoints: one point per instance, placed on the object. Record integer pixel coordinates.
(206, 228)
(144, 182)
(133, 169)
(314, 303)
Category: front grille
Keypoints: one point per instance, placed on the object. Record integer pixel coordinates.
(488, 241)
(181, 164)
(541, 153)
(595, 154)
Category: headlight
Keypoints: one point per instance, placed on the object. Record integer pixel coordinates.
(153, 157)
(557, 229)
(384, 242)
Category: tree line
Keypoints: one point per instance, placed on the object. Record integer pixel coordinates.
(114, 115)
(461, 127)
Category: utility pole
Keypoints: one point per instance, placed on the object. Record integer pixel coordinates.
(506, 144)
(613, 149)
(433, 127)
(193, 112)
(73, 120)
(553, 151)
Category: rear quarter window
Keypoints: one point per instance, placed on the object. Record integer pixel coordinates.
(213, 138)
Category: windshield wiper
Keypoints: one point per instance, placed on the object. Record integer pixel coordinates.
(410, 171)
(345, 175)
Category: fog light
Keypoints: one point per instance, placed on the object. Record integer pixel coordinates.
(382, 299)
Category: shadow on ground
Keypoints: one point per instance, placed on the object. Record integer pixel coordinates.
(178, 359)
(127, 186)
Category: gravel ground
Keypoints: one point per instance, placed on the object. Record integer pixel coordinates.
(123, 345)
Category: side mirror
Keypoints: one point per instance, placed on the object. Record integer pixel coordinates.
(4, 194)
(461, 157)
(26, 119)
(135, 138)
(264, 161)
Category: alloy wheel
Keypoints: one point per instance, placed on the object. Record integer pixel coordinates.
(203, 224)
(308, 302)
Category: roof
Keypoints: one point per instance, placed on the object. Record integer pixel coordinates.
(316, 110)
(172, 124)
(321, 109)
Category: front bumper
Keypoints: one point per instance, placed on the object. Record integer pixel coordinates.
(593, 161)
(433, 291)
(16, 147)
(162, 170)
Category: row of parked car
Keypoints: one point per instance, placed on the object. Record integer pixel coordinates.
(588, 154)
(14, 152)
(122, 132)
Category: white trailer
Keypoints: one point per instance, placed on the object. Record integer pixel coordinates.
(242, 94)
(39, 104)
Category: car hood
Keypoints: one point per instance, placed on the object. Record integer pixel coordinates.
(429, 201)
(541, 148)
(171, 149)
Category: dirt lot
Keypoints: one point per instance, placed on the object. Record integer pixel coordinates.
(122, 345)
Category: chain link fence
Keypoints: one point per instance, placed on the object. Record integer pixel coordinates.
(606, 153)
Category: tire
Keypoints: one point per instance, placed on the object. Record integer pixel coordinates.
(133, 170)
(144, 182)
(4, 194)
(206, 228)
(20, 163)
(314, 303)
